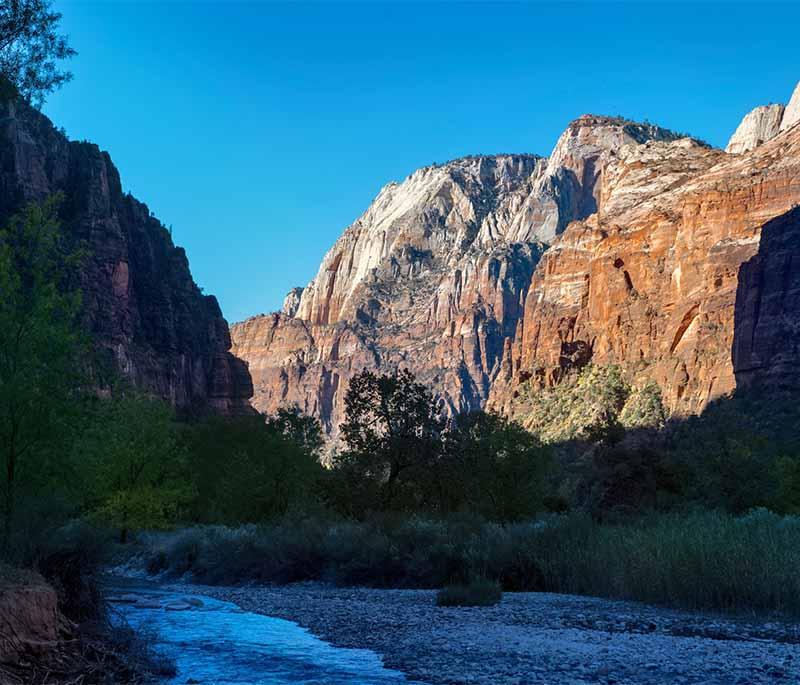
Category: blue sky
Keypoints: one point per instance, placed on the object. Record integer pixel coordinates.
(259, 131)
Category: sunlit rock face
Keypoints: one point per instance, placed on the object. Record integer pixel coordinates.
(764, 123)
(759, 126)
(147, 318)
(433, 276)
(626, 246)
(652, 284)
(792, 114)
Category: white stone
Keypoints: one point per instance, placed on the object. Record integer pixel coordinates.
(792, 114)
(759, 126)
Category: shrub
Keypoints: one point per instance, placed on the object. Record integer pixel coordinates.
(701, 560)
(478, 593)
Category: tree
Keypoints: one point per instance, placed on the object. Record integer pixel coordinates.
(247, 471)
(303, 431)
(31, 49)
(494, 467)
(40, 345)
(392, 432)
(133, 464)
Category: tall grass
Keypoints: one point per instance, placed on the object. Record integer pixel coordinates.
(704, 560)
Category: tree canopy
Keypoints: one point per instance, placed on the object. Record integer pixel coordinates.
(31, 50)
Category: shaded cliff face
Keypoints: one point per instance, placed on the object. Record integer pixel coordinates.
(652, 285)
(434, 276)
(146, 316)
(766, 340)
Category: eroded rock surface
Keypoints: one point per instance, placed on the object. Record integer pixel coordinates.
(433, 276)
(147, 317)
(759, 126)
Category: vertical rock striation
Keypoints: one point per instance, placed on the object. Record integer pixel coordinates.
(146, 316)
(433, 276)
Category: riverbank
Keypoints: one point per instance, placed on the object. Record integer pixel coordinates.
(532, 638)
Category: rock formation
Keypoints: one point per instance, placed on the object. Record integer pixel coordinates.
(792, 114)
(764, 123)
(652, 285)
(759, 126)
(766, 338)
(434, 275)
(146, 316)
(629, 245)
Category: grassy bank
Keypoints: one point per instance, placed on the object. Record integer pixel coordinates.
(706, 561)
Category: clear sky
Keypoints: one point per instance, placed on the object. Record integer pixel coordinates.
(260, 131)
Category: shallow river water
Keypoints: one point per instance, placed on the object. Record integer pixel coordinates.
(216, 642)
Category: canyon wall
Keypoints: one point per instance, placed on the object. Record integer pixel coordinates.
(433, 276)
(628, 245)
(147, 318)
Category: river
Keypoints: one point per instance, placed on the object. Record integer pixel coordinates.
(216, 642)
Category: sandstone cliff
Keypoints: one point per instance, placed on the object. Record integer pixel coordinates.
(629, 245)
(146, 316)
(652, 286)
(434, 275)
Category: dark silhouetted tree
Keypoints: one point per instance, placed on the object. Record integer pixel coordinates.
(392, 433)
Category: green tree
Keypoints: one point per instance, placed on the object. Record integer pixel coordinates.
(392, 433)
(304, 431)
(494, 467)
(31, 49)
(133, 464)
(41, 345)
(248, 471)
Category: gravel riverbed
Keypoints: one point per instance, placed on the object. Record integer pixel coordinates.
(532, 638)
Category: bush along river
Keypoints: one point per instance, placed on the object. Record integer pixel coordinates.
(215, 642)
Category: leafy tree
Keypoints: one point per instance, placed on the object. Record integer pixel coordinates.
(494, 467)
(40, 347)
(246, 470)
(644, 408)
(392, 433)
(31, 49)
(304, 431)
(133, 464)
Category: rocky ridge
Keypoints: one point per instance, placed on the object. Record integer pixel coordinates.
(434, 275)
(625, 246)
(146, 316)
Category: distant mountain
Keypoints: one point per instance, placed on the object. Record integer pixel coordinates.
(147, 318)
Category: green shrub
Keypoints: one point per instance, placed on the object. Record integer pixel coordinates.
(478, 593)
(702, 560)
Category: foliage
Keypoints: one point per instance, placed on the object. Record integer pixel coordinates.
(392, 434)
(303, 431)
(701, 560)
(31, 49)
(493, 467)
(643, 408)
(133, 465)
(41, 345)
(246, 470)
(597, 405)
(478, 593)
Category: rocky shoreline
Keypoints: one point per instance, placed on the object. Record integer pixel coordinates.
(532, 638)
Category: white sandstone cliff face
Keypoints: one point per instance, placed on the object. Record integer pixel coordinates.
(792, 114)
(292, 301)
(433, 276)
(764, 123)
(759, 126)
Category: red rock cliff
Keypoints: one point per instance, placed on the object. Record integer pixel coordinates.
(146, 316)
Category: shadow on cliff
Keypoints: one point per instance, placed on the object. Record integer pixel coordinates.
(766, 335)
